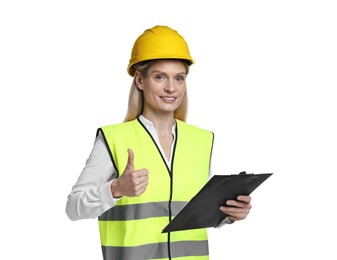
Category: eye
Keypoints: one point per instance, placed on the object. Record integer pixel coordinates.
(159, 77)
(180, 79)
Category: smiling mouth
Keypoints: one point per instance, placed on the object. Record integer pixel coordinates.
(168, 99)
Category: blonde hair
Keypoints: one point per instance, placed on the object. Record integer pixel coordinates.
(136, 103)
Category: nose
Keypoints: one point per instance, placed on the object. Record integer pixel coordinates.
(170, 87)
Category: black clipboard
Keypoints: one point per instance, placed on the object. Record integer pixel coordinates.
(203, 209)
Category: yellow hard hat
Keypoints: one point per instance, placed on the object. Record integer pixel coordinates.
(159, 42)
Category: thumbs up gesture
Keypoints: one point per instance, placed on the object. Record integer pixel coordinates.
(132, 182)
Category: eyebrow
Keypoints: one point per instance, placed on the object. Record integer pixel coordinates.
(159, 71)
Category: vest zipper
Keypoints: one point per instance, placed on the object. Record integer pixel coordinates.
(170, 215)
(171, 192)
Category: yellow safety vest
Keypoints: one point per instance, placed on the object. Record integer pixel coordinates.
(132, 229)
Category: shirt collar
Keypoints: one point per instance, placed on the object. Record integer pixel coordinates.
(149, 125)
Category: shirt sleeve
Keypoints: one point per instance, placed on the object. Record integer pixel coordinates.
(91, 195)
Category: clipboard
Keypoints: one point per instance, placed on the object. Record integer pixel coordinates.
(203, 209)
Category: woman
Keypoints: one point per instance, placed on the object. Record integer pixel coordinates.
(142, 172)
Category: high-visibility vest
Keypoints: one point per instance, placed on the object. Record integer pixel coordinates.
(132, 228)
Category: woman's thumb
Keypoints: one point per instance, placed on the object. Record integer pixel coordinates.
(130, 164)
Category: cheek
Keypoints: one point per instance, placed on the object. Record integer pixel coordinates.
(182, 90)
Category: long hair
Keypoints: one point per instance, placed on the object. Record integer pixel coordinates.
(136, 98)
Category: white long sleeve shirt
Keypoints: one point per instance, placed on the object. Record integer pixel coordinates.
(91, 195)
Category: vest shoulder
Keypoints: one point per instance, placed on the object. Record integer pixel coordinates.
(193, 127)
(117, 126)
(114, 129)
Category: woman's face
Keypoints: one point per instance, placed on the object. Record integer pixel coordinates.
(164, 87)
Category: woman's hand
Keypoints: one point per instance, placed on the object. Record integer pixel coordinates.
(132, 182)
(237, 209)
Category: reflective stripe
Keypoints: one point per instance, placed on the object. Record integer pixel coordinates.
(143, 231)
(142, 211)
(157, 251)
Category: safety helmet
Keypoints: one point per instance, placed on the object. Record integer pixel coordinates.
(159, 42)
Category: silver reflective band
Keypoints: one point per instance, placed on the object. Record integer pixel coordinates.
(142, 211)
(158, 250)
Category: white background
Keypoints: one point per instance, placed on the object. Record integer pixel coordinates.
(264, 81)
